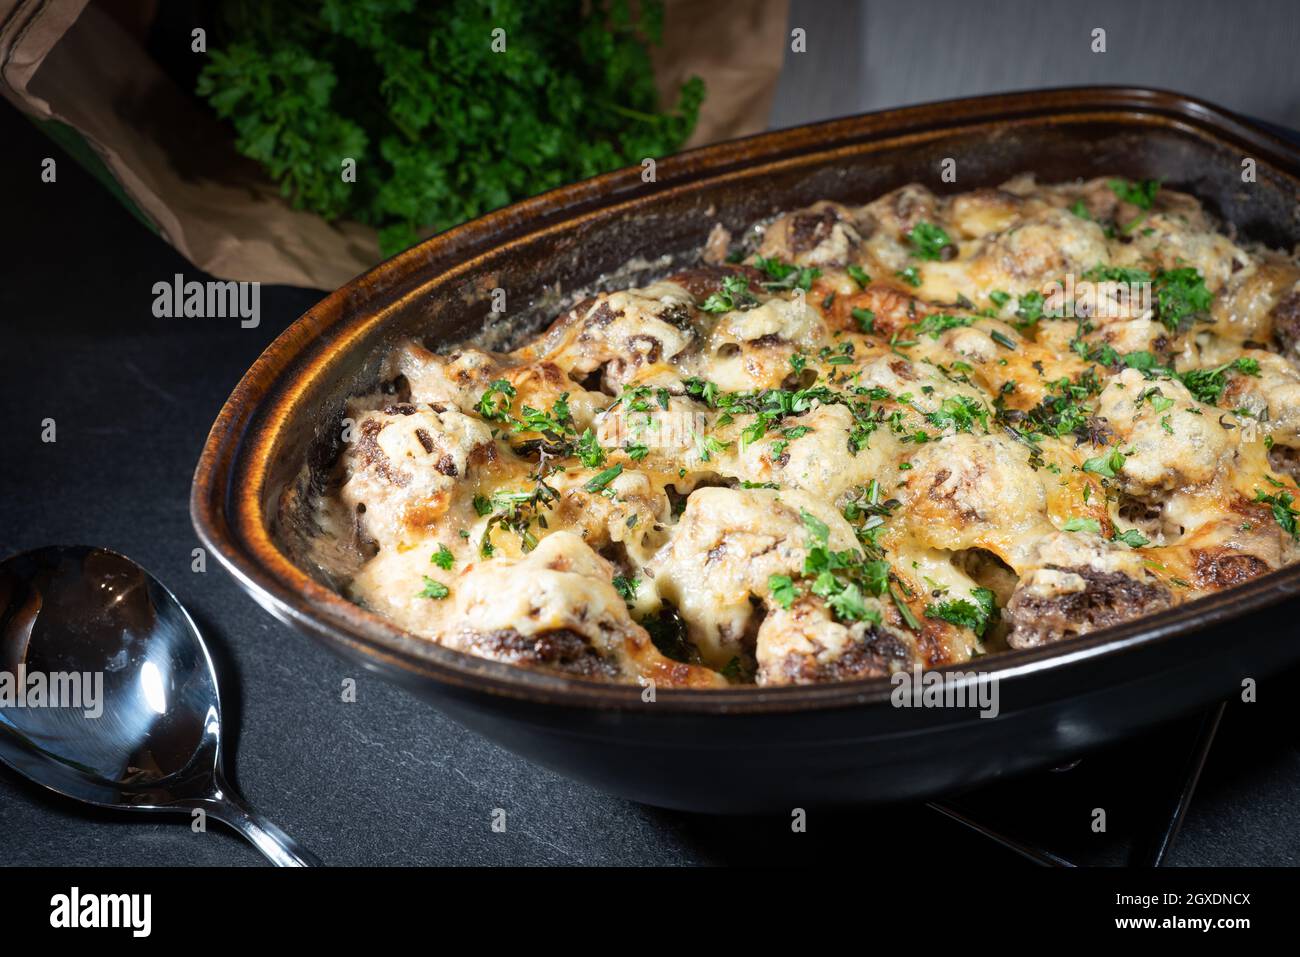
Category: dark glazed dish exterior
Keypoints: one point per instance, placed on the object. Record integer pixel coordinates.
(752, 749)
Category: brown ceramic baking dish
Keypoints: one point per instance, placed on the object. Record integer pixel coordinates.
(747, 749)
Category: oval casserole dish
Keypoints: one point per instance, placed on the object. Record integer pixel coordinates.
(748, 749)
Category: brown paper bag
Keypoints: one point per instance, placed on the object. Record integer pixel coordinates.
(71, 62)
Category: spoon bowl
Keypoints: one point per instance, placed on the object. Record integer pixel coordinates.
(108, 694)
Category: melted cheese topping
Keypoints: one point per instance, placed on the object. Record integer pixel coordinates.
(895, 435)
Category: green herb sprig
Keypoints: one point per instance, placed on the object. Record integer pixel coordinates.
(446, 110)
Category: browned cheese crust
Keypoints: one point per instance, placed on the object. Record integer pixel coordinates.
(864, 439)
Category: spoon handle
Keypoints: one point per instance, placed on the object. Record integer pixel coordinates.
(276, 846)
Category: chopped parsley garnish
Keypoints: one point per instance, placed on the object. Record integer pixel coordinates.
(771, 405)
(1207, 385)
(443, 558)
(1159, 401)
(626, 587)
(859, 275)
(1180, 293)
(999, 298)
(1281, 504)
(1062, 411)
(1029, 308)
(494, 404)
(842, 357)
(753, 432)
(433, 589)
(733, 295)
(1140, 193)
(817, 530)
(909, 276)
(1077, 524)
(843, 579)
(848, 605)
(782, 589)
(865, 318)
(783, 275)
(589, 450)
(928, 241)
(1142, 361)
(959, 413)
(1132, 538)
(975, 615)
(554, 423)
(1122, 275)
(707, 446)
(1105, 465)
(938, 323)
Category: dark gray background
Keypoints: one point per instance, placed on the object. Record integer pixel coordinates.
(876, 54)
(387, 780)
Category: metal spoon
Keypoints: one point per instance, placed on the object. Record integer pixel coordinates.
(156, 746)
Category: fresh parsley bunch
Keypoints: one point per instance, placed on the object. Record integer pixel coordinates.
(442, 127)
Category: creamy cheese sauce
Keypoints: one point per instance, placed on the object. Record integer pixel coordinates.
(900, 434)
